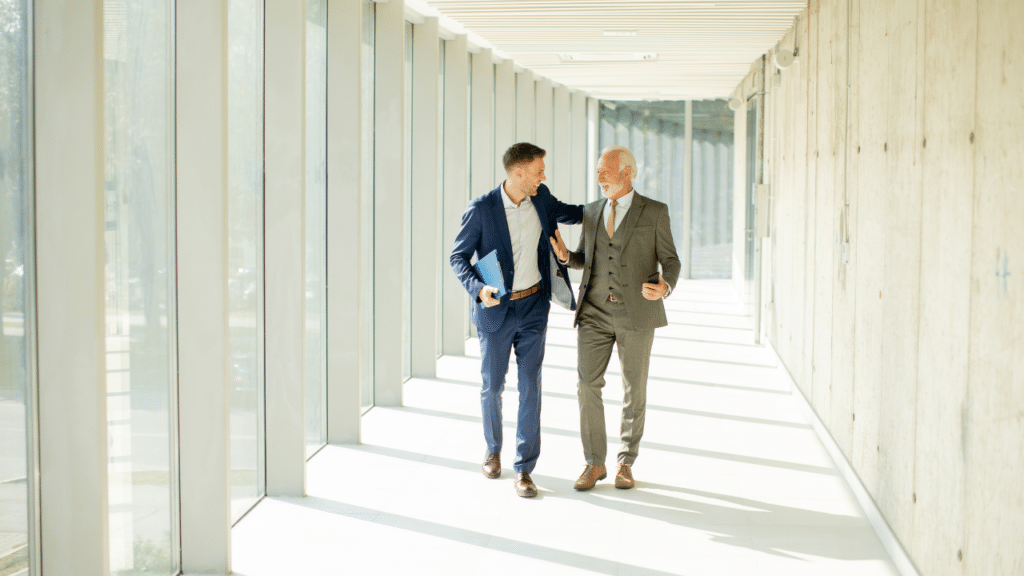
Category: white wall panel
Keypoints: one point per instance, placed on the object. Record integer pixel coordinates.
(285, 247)
(542, 109)
(202, 242)
(924, 396)
(504, 114)
(69, 285)
(344, 127)
(526, 95)
(389, 205)
(481, 174)
(560, 158)
(425, 210)
(456, 190)
(993, 426)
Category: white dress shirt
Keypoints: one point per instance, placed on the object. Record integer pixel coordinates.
(524, 230)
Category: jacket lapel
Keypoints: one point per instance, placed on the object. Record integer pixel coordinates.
(626, 228)
(542, 213)
(502, 228)
(592, 223)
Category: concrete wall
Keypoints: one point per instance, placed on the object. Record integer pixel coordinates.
(900, 133)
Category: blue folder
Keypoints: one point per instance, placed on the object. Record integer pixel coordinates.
(490, 271)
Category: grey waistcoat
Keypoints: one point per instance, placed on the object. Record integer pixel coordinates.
(604, 274)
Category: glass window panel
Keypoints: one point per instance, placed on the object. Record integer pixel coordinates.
(139, 282)
(654, 131)
(366, 206)
(316, 224)
(245, 251)
(711, 199)
(16, 275)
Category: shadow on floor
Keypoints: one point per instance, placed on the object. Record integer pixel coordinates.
(647, 445)
(647, 500)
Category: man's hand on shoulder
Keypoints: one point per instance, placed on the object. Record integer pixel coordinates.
(486, 298)
(655, 291)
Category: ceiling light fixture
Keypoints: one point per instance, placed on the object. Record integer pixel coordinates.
(608, 57)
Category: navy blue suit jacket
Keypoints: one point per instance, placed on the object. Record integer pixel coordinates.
(484, 228)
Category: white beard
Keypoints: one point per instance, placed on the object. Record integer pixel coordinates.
(609, 192)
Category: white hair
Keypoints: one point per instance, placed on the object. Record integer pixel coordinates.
(625, 157)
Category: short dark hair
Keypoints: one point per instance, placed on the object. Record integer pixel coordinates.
(521, 153)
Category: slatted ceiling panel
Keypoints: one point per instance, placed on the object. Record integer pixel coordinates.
(704, 49)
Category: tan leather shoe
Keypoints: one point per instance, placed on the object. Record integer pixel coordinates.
(624, 477)
(492, 465)
(525, 486)
(591, 474)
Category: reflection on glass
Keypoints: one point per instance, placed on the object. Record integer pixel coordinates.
(316, 223)
(245, 251)
(366, 207)
(15, 277)
(139, 281)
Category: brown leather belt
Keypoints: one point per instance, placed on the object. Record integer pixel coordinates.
(520, 294)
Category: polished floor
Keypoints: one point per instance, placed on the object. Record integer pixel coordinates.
(731, 478)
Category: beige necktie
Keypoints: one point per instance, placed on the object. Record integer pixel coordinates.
(611, 220)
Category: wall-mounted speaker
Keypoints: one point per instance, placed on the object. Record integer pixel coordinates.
(783, 60)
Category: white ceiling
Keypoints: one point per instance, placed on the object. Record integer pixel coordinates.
(704, 48)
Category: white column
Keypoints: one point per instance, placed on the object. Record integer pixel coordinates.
(202, 241)
(389, 205)
(481, 173)
(542, 112)
(560, 159)
(285, 246)
(423, 332)
(504, 114)
(592, 149)
(578, 171)
(456, 196)
(526, 94)
(684, 253)
(344, 127)
(70, 300)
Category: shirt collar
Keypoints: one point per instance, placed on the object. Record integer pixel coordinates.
(509, 205)
(624, 202)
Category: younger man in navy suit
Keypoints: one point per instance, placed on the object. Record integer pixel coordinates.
(516, 219)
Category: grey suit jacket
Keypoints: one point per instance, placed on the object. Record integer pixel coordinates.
(646, 243)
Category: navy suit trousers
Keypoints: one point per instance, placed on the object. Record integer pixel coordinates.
(525, 331)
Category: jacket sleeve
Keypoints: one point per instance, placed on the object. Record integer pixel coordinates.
(565, 213)
(466, 245)
(665, 249)
(577, 259)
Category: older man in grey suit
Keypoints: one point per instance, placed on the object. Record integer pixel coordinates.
(625, 238)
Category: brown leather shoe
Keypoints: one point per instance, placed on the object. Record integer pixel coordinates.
(624, 477)
(525, 486)
(492, 465)
(591, 474)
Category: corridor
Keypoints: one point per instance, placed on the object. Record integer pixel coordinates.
(731, 478)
